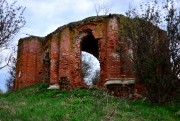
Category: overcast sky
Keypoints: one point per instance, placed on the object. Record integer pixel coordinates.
(44, 16)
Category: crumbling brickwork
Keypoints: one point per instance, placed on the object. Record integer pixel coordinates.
(58, 55)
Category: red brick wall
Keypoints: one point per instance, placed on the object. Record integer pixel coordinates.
(29, 64)
(65, 54)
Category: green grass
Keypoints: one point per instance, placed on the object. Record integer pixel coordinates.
(36, 103)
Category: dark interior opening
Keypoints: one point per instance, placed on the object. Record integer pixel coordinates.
(90, 44)
(46, 64)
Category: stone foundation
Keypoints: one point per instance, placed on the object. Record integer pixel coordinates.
(122, 87)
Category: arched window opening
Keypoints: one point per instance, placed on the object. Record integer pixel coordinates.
(90, 66)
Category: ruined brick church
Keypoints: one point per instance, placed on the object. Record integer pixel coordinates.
(56, 58)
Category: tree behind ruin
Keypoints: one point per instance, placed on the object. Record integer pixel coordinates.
(155, 52)
(11, 21)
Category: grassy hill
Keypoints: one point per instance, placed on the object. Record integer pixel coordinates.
(36, 103)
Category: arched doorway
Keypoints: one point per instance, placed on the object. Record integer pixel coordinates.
(90, 67)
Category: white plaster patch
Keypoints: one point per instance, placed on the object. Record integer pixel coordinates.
(115, 55)
(122, 81)
(55, 86)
